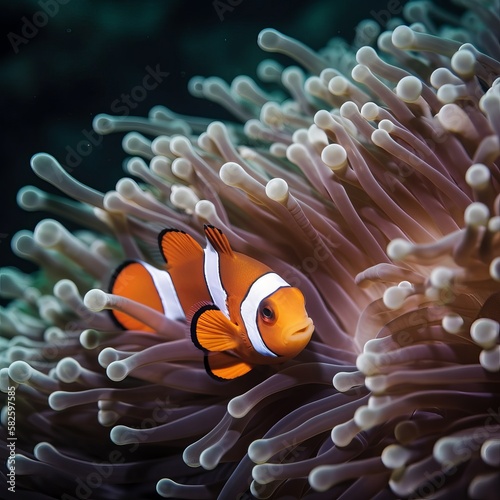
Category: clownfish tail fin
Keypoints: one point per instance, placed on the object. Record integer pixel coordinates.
(177, 246)
(133, 281)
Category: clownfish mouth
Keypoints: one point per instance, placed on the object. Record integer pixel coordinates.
(302, 330)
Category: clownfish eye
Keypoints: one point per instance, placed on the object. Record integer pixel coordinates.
(267, 314)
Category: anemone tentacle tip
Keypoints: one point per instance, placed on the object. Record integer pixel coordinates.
(117, 371)
(96, 300)
(20, 371)
(68, 370)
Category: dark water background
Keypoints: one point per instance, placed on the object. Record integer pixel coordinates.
(85, 54)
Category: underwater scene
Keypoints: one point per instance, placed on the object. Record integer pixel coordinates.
(250, 250)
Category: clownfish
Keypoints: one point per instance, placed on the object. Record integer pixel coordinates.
(240, 313)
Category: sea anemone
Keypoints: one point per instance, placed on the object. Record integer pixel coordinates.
(370, 180)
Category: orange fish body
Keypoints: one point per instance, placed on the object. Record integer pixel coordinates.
(241, 313)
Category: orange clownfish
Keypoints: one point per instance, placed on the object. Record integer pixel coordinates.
(241, 313)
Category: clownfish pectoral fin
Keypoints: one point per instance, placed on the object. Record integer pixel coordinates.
(177, 246)
(212, 330)
(225, 366)
(218, 240)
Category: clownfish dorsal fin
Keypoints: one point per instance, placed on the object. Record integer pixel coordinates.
(211, 330)
(223, 366)
(177, 247)
(218, 240)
